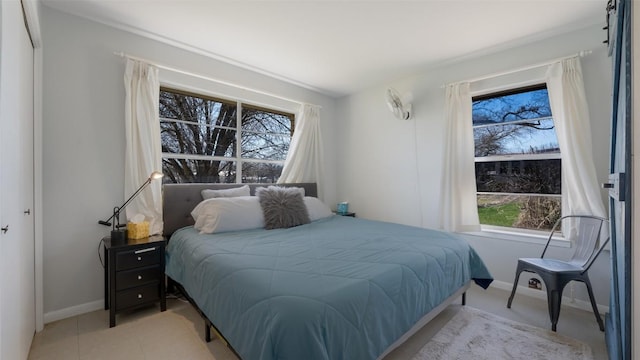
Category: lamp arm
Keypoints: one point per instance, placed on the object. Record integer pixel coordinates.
(135, 194)
(116, 213)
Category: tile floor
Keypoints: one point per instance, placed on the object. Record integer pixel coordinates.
(178, 333)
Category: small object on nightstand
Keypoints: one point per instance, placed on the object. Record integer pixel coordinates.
(342, 208)
(138, 227)
(134, 274)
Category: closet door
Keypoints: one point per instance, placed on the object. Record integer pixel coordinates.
(17, 283)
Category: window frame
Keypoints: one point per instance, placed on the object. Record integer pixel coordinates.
(240, 105)
(514, 233)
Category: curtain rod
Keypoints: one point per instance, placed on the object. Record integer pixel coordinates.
(523, 68)
(223, 82)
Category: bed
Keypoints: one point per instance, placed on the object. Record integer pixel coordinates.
(335, 288)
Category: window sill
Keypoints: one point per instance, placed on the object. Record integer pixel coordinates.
(526, 236)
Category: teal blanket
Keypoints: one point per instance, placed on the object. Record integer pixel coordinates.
(337, 288)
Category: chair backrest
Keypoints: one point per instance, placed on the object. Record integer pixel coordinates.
(586, 239)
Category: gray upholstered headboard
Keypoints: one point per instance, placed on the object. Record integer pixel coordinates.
(180, 199)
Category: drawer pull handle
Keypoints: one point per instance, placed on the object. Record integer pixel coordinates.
(139, 296)
(144, 250)
(139, 277)
(139, 258)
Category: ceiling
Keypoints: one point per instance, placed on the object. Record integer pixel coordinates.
(340, 47)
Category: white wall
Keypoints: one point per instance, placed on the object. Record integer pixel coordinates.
(390, 169)
(83, 142)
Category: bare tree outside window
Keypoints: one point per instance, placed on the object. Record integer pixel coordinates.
(214, 140)
(518, 162)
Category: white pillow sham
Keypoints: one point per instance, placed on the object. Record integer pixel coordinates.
(233, 192)
(222, 214)
(316, 208)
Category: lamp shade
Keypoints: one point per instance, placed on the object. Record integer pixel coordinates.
(156, 175)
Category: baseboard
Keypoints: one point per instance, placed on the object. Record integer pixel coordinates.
(522, 290)
(541, 294)
(73, 311)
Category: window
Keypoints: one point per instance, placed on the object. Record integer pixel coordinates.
(206, 139)
(517, 159)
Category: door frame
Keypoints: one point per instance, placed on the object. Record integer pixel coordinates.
(622, 322)
(31, 9)
(635, 232)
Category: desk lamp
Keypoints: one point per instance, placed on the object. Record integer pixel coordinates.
(119, 235)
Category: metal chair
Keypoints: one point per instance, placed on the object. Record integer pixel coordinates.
(557, 273)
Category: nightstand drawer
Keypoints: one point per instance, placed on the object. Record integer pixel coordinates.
(138, 258)
(138, 277)
(137, 296)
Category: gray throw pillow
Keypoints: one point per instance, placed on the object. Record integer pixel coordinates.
(282, 207)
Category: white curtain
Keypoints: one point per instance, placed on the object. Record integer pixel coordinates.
(459, 209)
(143, 153)
(305, 161)
(568, 102)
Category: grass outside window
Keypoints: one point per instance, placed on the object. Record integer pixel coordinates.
(519, 211)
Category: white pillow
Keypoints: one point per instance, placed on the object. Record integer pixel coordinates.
(233, 192)
(316, 208)
(228, 214)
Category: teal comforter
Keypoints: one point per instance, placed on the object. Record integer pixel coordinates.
(337, 288)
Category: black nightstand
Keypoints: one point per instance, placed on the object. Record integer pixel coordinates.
(352, 214)
(133, 274)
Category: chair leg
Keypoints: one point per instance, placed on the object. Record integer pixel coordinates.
(554, 283)
(515, 285)
(554, 299)
(207, 331)
(593, 302)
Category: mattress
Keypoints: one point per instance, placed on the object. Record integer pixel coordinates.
(337, 288)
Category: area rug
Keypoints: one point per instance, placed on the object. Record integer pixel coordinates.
(477, 335)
